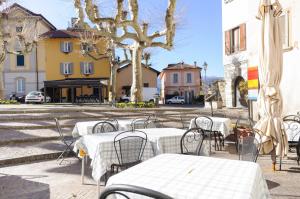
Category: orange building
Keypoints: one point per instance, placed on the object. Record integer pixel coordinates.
(180, 80)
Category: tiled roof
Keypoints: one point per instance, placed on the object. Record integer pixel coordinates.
(181, 65)
(60, 34)
(150, 68)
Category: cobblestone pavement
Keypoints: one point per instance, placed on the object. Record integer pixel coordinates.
(48, 179)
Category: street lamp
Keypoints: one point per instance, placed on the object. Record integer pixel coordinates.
(205, 68)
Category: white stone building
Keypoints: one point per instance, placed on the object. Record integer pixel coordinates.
(21, 74)
(241, 36)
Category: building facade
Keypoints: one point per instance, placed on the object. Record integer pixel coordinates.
(241, 37)
(23, 73)
(124, 79)
(70, 75)
(180, 80)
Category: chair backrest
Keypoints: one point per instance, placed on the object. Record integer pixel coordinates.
(125, 191)
(192, 140)
(114, 122)
(139, 123)
(292, 127)
(204, 123)
(58, 127)
(249, 146)
(103, 127)
(129, 147)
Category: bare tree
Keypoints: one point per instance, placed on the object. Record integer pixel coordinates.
(89, 47)
(126, 21)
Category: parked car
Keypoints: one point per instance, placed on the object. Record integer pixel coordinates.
(17, 97)
(36, 97)
(176, 100)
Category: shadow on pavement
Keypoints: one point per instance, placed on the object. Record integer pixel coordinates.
(12, 186)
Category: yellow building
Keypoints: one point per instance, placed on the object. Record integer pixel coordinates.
(71, 76)
(124, 79)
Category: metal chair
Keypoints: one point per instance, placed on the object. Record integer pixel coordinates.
(131, 190)
(154, 122)
(298, 151)
(206, 124)
(113, 122)
(129, 147)
(249, 146)
(103, 127)
(66, 140)
(139, 123)
(191, 141)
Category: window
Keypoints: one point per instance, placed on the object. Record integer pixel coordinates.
(285, 30)
(20, 85)
(175, 78)
(189, 78)
(86, 68)
(66, 47)
(19, 29)
(146, 84)
(86, 47)
(235, 40)
(67, 68)
(20, 60)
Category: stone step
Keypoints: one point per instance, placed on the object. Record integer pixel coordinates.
(10, 136)
(29, 152)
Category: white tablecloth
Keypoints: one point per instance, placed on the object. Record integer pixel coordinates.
(85, 128)
(100, 149)
(191, 177)
(292, 130)
(220, 124)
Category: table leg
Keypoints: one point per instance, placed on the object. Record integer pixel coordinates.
(82, 169)
(98, 188)
(209, 143)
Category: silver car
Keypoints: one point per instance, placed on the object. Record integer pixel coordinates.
(36, 97)
(176, 100)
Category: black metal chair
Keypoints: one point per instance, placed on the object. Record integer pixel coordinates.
(129, 147)
(249, 146)
(135, 191)
(113, 122)
(292, 123)
(206, 124)
(66, 140)
(139, 123)
(192, 141)
(103, 127)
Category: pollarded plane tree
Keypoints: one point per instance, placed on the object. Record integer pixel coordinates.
(124, 26)
(89, 40)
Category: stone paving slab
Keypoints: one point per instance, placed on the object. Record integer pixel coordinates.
(30, 149)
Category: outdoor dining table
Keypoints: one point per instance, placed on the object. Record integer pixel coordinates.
(220, 124)
(100, 147)
(85, 128)
(190, 177)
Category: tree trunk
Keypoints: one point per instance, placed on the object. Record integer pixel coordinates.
(137, 84)
(113, 82)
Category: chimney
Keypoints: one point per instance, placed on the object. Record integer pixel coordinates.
(195, 64)
(73, 22)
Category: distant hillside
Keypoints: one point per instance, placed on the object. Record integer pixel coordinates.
(211, 79)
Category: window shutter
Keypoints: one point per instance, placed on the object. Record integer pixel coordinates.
(71, 68)
(71, 47)
(62, 47)
(81, 68)
(243, 37)
(62, 68)
(92, 67)
(227, 42)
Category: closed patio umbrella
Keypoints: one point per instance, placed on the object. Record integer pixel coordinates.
(270, 72)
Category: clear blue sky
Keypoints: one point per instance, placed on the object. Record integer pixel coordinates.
(199, 35)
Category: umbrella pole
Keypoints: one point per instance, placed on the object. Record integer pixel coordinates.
(273, 158)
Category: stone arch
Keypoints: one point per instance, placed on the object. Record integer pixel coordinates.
(238, 99)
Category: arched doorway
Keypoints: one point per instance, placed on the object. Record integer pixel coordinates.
(240, 98)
